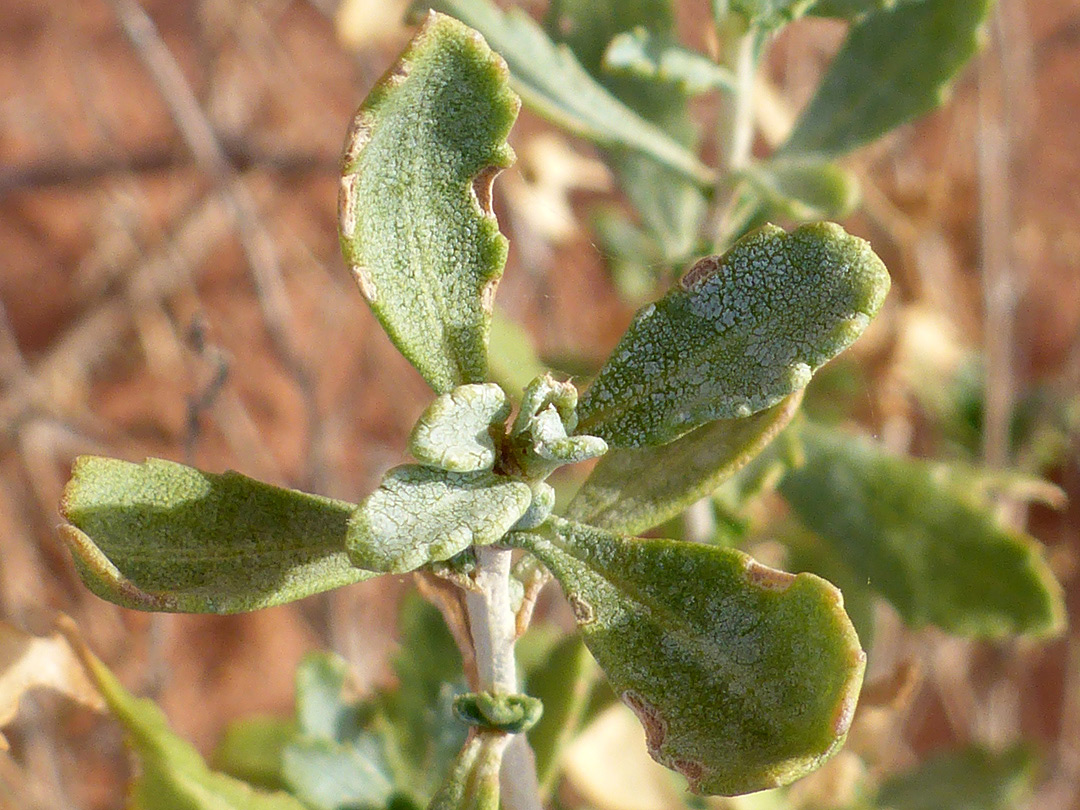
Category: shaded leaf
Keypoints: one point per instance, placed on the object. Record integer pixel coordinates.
(937, 556)
(251, 748)
(552, 81)
(804, 189)
(30, 662)
(738, 333)
(513, 362)
(473, 782)
(420, 515)
(328, 775)
(881, 79)
(642, 53)
(164, 537)
(969, 779)
(172, 775)
(638, 488)
(454, 432)
(743, 676)
(321, 708)
(417, 227)
(853, 9)
(633, 257)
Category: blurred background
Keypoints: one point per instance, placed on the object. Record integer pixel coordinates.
(171, 285)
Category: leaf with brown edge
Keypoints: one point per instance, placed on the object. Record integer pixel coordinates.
(417, 226)
(743, 676)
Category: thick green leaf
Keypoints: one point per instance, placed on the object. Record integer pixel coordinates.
(969, 779)
(895, 65)
(638, 488)
(642, 53)
(420, 515)
(164, 537)
(922, 542)
(671, 207)
(804, 189)
(563, 682)
(743, 676)
(454, 433)
(739, 333)
(473, 782)
(251, 750)
(172, 775)
(417, 227)
(553, 82)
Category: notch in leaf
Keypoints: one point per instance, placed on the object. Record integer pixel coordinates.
(417, 227)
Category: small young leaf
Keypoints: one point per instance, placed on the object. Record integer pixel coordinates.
(172, 775)
(454, 432)
(895, 65)
(417, 227)
(636, 489)
(164, 537)
(511, 714)
(642, 53)
(739, 333)
(804, 189)
(420, 515)
(473, 782)
(972, 778)
(923, 544)
(551, 81)
(744, 677)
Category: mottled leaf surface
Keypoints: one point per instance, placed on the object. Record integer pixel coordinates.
(164, 537)
(744, 677)
(925, 545)
(972, 778)
(895, 65)
(420, 515)
(553, 82)
(417, 227)
(638, 488)
(739, 333)
(454, 434)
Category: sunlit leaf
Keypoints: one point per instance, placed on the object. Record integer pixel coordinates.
(743, 676)
(454, 434)
(642, 53)
(417, 226)
(938, 556)
(972, 778)
(553, 82)
(895, 65)
(164, 537)
(420, 515)
(638, 488)
(738, 333)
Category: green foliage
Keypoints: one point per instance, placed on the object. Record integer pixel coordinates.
(803, 189)
(417, 227)
(739, 333)
(161, 536)
(921, 541)
(251, 750)
(636, 489)
(644, 54)
(473, 781)
(488, 711)
(972, 778)
(454, 433)
(751, 688)
(881, 79)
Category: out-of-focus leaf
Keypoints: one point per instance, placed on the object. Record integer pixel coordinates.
(895, 65)
(172, 775)
(251, 750)
(760, 476)
(513, 362)
(164, 537)
(454, 432)
(553, 82)
(969, 779)
(804, 189)
(328, 775)
(634, 259)
(743, 676)
(770, 13)
(924, 545)
(642, 53)
(39, 662)
(420, 515)
(738, 334)
(853, 9)
(473, 782)
(321, 708)
(636, 489)
(563, 683)
(417, 227)
(671, 207)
